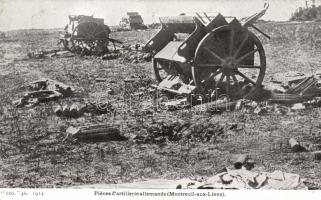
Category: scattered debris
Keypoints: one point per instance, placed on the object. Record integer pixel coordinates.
(48, 84)
(298, 90)
(65, 110)
(95, 133)
(101, 80)
(217, 106)
(75, 110)
(58, 111)
(44, 90)
(58, 53)
(134, 56)
(289, 77)
(36, 97)
(111, 56)
(245, 179)
(163, 131)
(317, 155)
(240, 161)
(298, 106)
(227, 179)
(295, 146)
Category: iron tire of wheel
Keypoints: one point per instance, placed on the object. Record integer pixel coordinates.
(227, 63)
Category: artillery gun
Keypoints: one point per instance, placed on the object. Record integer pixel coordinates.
(217, 52)
(87, 35)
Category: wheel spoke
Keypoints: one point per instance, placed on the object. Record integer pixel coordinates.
(214, 54)
(212, 75)
(241, 46)
(250, 66)
(95, 30)
(236, 82)
(246, 55)
(209, 65)
(245, 77)
(231, 42)
(87, 32)
(102, 31)
(220, 81)
(228, 85)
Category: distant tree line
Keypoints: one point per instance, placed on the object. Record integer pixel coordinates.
(312, 13)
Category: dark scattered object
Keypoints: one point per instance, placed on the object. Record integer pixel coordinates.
(44, 90)
(49, 84)
(75, 110)
(317, 155)
(111, 56)
(249, 164)
(298, 90)
(96, 133)
(100, 79)
(35, 97)
(39, 54)
(65, 111)
(295, 146)
(302, 86)
(58, 111)
(240, 161)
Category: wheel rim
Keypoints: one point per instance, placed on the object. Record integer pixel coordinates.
(90, 37)
(225, 59)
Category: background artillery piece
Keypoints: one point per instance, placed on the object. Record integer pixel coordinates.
(133, 21)
(87, 35)
(216, 52)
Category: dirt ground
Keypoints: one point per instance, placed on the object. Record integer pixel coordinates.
(35, 153)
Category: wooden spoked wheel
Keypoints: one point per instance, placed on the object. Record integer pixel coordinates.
(229, 58)
(90, 38)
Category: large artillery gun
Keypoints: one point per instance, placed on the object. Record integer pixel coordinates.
(87, 35)
(217, 52)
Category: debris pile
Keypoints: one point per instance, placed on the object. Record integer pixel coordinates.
(295, 87)
(312, 148)
(44, 90)
(39, 54)
(135, 54)
(245, 179)
(279, 97)
(163, 131)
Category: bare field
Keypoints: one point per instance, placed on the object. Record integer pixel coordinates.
(34, 152)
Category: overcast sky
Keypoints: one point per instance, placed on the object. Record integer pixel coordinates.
(22, 14)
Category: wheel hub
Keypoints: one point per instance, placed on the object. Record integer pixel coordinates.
(229, 66)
